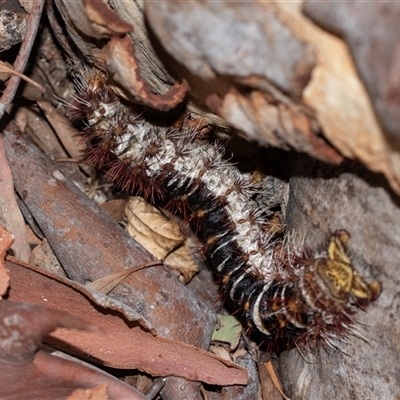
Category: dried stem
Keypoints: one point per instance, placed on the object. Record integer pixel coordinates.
(23, 55)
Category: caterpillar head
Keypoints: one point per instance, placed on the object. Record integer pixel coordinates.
(343, 283)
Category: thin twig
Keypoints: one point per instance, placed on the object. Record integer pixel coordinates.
(5, 68)
(23, 55)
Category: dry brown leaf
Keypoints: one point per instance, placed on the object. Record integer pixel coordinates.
(43, 257)
(282, 125)
(181, 260)
(10, 214)
(156, 233)
(102, 17)
(370, 31)
(124, 69)
(107, 283)
(114, 208)
(43, 292)
(160, 236)
(120, 344)
(6, 241)
(66, 132)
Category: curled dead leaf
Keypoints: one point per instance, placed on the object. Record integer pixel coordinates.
(92, 18)
(181, 261)
(102, 17)
(151, 229)
(124, 69)
(281, 125)
(160, 236)
(339, 98)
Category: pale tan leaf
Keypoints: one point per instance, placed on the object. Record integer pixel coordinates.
(181, 260)
(107, 283)
(151, 229)
(161, 237)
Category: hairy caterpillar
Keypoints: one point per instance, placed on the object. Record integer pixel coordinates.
(283, 294)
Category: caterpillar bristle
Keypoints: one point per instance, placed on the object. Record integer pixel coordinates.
(286, 294)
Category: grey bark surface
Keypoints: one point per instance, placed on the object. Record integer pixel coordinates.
(324, 199)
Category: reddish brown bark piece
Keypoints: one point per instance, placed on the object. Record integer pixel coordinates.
(47, 282)
(25, 325)
(123, 67)
(27, 374)
(119, 343)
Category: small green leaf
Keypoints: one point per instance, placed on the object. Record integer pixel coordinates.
(229, 331)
